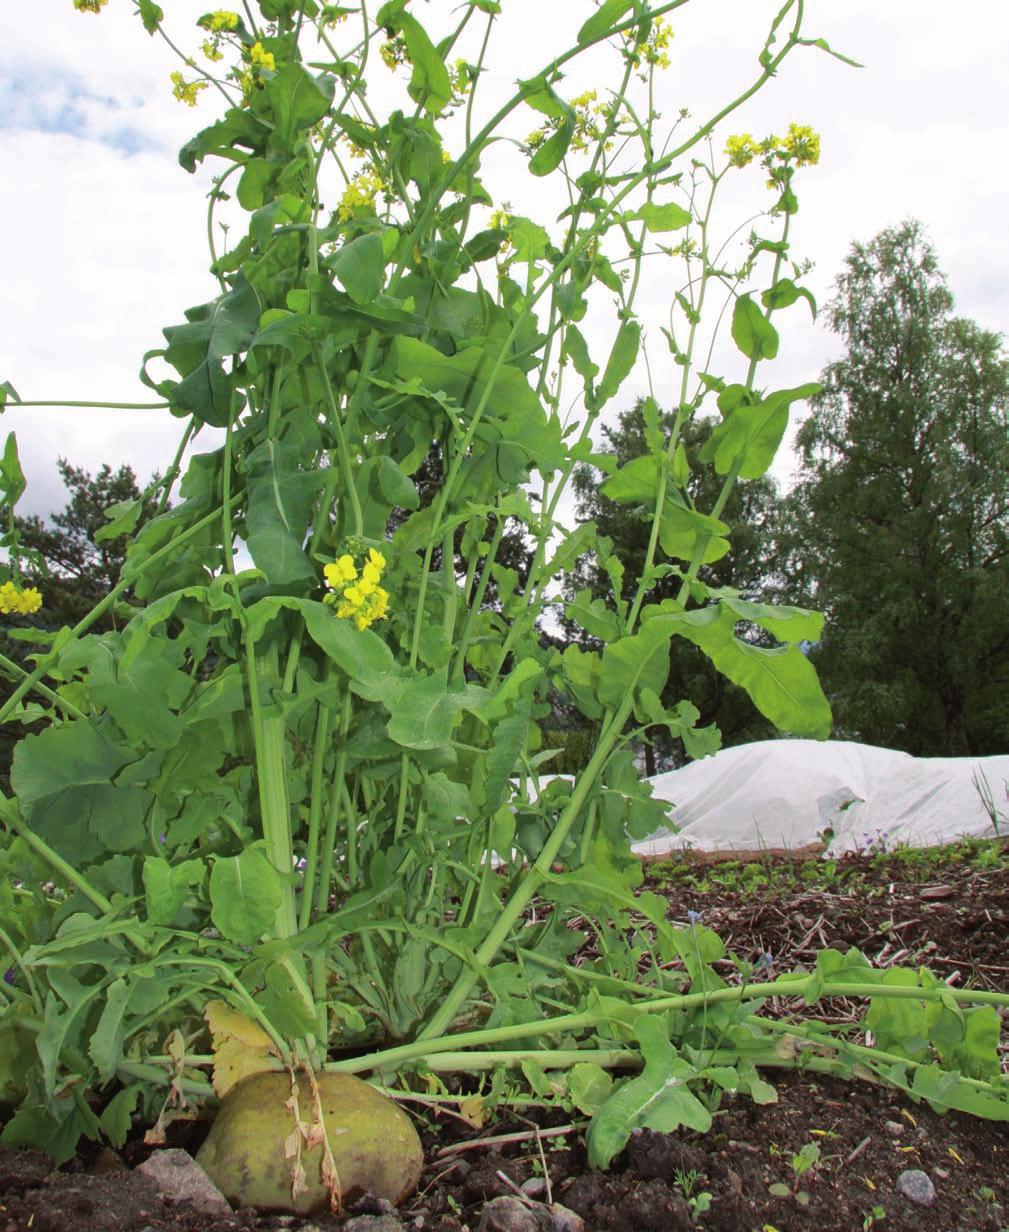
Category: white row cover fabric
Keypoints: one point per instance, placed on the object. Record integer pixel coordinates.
(787, 793)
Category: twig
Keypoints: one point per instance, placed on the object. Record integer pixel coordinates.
(503, 1139)
(862, 1147)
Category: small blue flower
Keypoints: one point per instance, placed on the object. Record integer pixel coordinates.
(694, 917)
(767, 959)
(9, 975)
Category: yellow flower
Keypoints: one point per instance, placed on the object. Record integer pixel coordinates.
(260, 59)
(219, 20)
(31, 601)
(376, 559)
(341, 570)
(360, 195)
(20, 602)
(394, 52)
(186, 91)
(741, 149)
(89, 6)
(212, 50)
(802, 144)
(333, 15)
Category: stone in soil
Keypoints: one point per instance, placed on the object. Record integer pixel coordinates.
(509, 1214)
(180, 1178)
(916, 1186)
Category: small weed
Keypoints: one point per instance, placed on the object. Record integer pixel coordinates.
(876, 1215)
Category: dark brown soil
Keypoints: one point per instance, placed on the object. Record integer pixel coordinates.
(949, 914)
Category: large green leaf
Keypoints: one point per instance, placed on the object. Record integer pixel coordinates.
(607, 15)
(430, 84)
(618, 367)
(167, 887)
(360, 267)
(657, 218)
(245, 892)
(69, 755)
(197, 351)
(749, 436)
(636, 482)
(752, 332)
(425, 711)
(298, 100)
(281, 496)
(681, 529)
(781, 682)
(141, 687)
(12, 477)
(658, 1098)
(642, 657)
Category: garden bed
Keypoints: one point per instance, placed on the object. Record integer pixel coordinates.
(944, 909)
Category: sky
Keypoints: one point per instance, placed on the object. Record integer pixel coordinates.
(103, 234)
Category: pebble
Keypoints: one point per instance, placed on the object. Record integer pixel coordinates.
(374, 1223)
(534, 1187)
(508, 1214)
(564, 1220)
(181, 1179)
(894, 1129)
(916, 1186)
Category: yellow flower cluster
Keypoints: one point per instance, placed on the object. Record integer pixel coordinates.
(360, 194)
(186, 91)
(219, 20)
(260, 59)
(357, 594)
(653, 50)
(741, 149)
(800, 145)
(89, 6)
(394, 52)
(22, 602)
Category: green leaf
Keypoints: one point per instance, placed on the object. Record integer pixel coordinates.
(198, 349)
(551, 153)
(784, 293)
(425, 711)
(298, 100)
(749, 436)
(781, 682)
(287, 1000)
(121, 519)
(681, 529)
(360, 267)
(594, 616)
(8, 394)
(106, 1046)
(444, 799)
(245, 893)
(659, 218)
(577, 349)
(70, 755)
(117, 1119)
(167, 887)
(281, 496)
(151, 15)
(589, 1087)
(605, 17)
(618, 367)
(636, 482)
(12, 479)
(430, 84)
(643, 656)
(755, 336)
(658, 1099)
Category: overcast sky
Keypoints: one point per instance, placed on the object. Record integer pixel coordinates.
(103, 233)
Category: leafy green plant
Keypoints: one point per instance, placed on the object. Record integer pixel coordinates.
(312, 790)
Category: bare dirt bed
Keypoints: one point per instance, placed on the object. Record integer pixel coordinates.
(948, 911)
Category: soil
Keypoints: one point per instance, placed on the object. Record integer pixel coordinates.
(949, 913)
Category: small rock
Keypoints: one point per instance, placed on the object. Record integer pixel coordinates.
(916, 1186)
(735, 1181)
(374, 1223)
(564, 1220)
(941, 1173)
(894, 1129)
(508, 1214)
(181, 1179)
(535, 1187)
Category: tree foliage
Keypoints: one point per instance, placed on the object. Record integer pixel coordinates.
(899, 526)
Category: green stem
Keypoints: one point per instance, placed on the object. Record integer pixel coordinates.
(15, 670)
